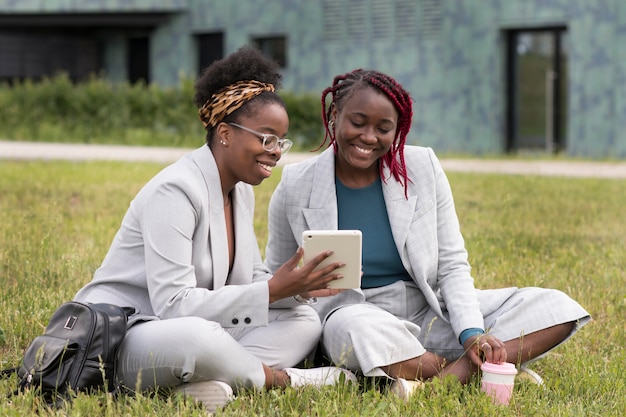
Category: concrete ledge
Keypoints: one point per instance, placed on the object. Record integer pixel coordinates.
(83, 152)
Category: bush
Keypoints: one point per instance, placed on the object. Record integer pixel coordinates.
(100, 111)
(305, 126)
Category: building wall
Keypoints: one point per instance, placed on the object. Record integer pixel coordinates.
(448, 53)
(91, 6)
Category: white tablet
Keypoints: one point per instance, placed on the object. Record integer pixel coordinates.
(346, 247)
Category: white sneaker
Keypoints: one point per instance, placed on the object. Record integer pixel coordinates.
(327, 375)
(212, 394)
(404, 388)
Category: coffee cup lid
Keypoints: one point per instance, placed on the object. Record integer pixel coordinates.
(499, 368)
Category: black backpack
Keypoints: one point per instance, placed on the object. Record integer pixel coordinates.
(77, 352)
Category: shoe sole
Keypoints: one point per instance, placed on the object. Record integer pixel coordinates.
(211, 394)
(529, 375)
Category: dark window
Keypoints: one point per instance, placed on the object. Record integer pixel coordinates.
(210, 48)
(139, 59)
(44, 54)
(274, 47)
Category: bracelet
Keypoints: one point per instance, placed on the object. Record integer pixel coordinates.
(467, 333)
(302, 300)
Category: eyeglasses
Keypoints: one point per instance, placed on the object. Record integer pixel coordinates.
(270, 142)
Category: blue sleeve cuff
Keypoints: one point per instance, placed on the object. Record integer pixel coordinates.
(467, 333)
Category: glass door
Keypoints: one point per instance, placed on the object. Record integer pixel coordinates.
(536, 87)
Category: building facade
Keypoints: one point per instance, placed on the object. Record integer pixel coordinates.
(487, 76)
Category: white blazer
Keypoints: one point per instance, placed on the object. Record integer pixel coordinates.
(425, 228)
(170, 256)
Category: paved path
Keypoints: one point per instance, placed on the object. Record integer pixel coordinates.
(52, 151)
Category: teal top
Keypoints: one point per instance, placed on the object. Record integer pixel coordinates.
(364, 209)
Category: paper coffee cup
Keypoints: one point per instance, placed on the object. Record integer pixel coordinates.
(498, 380)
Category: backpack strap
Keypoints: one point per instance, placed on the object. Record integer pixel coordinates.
(6, 373)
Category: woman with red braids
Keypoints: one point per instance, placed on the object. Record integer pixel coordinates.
(417, 314)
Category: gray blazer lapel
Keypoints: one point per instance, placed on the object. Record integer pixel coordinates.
(399, 209)
(245, 239)
(321, 212)
(217, 226)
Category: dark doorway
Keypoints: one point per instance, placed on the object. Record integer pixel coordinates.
(139, 59)
(210, 48)
(536, 89)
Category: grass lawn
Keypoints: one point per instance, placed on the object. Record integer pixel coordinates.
(58, 219)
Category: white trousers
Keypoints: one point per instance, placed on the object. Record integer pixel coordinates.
(167, 353)
(395, 324)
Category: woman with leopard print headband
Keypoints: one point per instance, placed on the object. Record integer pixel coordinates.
(210, 316)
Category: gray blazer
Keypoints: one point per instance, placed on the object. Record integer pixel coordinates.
(425, 228)
(170, 258)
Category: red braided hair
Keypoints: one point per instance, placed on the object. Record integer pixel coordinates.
(344, 85)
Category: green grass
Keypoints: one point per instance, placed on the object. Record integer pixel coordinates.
(58, 219)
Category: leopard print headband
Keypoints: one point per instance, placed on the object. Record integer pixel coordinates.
(230, 99)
